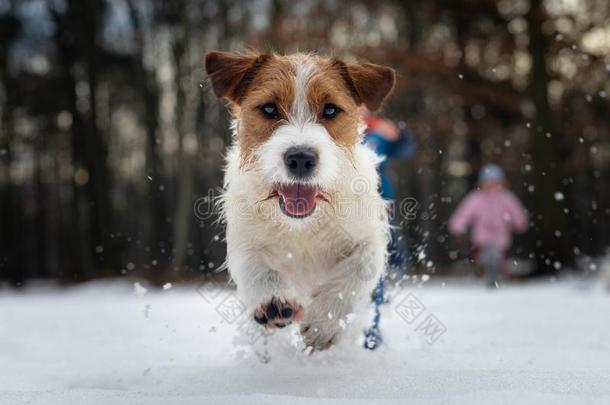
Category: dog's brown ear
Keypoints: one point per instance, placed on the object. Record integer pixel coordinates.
(231, 73)
(370, 84)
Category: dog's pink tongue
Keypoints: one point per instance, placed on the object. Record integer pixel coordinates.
(299, 199)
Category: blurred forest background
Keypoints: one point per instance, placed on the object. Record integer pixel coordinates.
(109, 133)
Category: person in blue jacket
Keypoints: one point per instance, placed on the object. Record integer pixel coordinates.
(391, 142)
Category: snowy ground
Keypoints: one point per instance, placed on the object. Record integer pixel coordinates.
(547, 342)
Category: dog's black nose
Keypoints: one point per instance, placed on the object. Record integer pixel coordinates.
(300, 161)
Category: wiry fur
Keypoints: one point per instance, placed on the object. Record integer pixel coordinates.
(329, 261)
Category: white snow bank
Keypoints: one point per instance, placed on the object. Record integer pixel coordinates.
(102, 344)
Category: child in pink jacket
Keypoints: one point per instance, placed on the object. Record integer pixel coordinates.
(492, 213)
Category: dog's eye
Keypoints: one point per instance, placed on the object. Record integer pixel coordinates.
(269, 110)
(330, 111)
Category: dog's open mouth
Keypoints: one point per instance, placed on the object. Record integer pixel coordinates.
(297, 200)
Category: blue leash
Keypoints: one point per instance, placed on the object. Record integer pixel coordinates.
(372, 336)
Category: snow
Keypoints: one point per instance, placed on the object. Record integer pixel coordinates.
(544, 342)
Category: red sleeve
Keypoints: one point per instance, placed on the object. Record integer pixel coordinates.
(371, 121)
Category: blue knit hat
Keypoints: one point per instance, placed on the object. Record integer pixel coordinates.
(491, 172)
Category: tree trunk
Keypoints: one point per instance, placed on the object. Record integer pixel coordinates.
(182, 217)
(77, 42)
(550, 231)
(98, 186)
(13, 262)
(157, 230)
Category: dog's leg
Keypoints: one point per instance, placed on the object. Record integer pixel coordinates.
(351, 283)
(264, 293)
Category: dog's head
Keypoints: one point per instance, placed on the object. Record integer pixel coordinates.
(297, 118)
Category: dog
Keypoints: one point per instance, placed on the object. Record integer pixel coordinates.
(306, 228)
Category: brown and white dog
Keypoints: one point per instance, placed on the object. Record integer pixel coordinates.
(306, 226)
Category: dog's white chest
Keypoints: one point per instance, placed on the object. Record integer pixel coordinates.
(302, 265)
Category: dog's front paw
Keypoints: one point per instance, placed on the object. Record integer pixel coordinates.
(319, 331)
(278, 313)
(317, 337)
